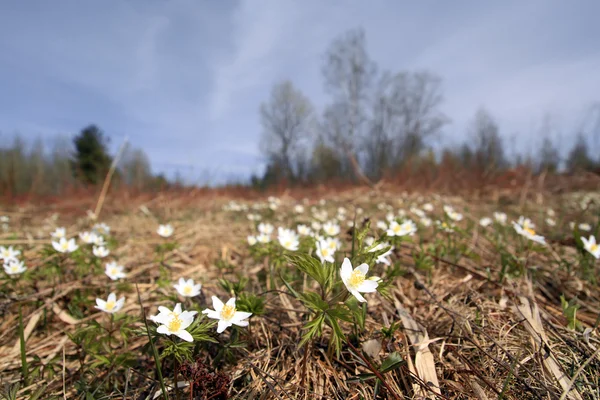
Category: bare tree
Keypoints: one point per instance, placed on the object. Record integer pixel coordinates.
(487, 143)
(349, 75)
(287, 125)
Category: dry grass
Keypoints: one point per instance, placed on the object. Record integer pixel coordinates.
(463, 332)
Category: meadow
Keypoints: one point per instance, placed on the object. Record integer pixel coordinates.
(357, 294)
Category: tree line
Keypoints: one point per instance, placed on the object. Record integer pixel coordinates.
(379, 123)
(82, 162)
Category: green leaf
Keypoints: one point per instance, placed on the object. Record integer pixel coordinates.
(310, 266)
(392, 362)
(313, 328)
(314, 301)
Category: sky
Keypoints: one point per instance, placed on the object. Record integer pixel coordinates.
(184, 79)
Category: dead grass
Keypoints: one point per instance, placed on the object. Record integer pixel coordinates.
(463, 333)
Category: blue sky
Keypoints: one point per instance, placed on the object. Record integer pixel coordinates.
(183, 79)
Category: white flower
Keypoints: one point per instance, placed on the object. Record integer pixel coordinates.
(406, 228)
(65, 246)
(174, 322)
(59, 233)
(443, 225)
(187, 288)
(4, 219)
(324, 251)
(453, 215)
(111, 305)
(591, 246)
(265, 228)
(382, 258)
(525, 228)
(585, 227)
(500, 217)
(14, 267)
(550, 221)
(390, 217)
(428, 207)
(303, 230)
(253, 217)
(288, 239)
(426, 221)
(316, 226)
(550, 212)
(165, 230)
(100, 251)
(418, 212)
(8, 253)
(252, 240)
(114, 271)
(331, 228)
(356, 280)
(101, 228)
(88, 237)
(98, 240)
(298, 208)
(381, 225)
(485, 221)
(226, 314)
(369, 240)
(262, 238)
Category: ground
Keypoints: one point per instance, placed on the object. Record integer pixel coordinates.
(480, 312)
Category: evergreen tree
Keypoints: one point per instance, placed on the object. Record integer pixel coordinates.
(91, 160)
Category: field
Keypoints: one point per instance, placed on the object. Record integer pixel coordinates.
(457, 306)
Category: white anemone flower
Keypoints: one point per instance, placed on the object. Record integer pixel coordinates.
(525, 228)
(165, 230)
(65, 246)
(88, 237)
(288, 239)
(303, 230)
(100, 251)
(8, 253)
(591, 246)
(381, 225)
(382, 258)
(316, 226)
(550, 222)
(333, 243)
(500, 217)
(59, 233)
(428, 207)
(356, 280)
(418, 212)
(585, 227)
(403, 229)
(324, 252)
(252, 240)
(331, 228)
(265, 228)
(187, 288)
(174, 322)
(99, 240)
(426, 221)
(114, 271)
(445, 226)
(226, 314)
(263, 238)
(299, 209)
(14, 267)
(111, 304)
(485, 221)
(101, 228)
(452, 214)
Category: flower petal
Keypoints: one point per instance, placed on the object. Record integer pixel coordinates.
(217, 304)
(185, 335)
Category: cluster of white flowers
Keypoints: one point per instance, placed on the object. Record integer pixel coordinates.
(10, 260)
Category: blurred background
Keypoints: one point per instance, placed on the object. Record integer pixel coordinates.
(281, 93)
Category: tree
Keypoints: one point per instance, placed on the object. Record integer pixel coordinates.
(91, 161)
(579, 158)
(487, 145)
(349, 75)
(549, 158)
(287, 126)
(135, 169)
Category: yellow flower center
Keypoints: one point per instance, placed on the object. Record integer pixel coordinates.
(64, 246)
(529, 230)
(325, 252)
(287, 243)
(110, 305)
(114, 271)
(15, 268)
(227, 312)
(397, 228)
(175, 324)
(594, 248)
(332, 245)
(356, 278)
(187, 290)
